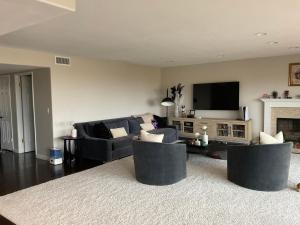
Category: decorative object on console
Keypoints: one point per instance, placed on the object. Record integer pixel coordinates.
(244, 113)
(204, 136)
(197, 141)
(177, 97)
(191, 114)
(265, 95)
(183, 113)
(286, 94)
(294, 74)
(274, 94)
(167, 102)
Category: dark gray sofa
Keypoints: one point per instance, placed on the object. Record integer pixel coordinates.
(98, 144)
(159, 163)
(259, 167)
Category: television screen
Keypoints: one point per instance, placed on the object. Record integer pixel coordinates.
(216, 96)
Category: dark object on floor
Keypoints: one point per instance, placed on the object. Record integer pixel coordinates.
(259, 167)
(98, 144)
(159, 163)
(19, 171)
(4, 221)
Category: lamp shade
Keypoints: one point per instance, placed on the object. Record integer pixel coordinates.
(167, 101)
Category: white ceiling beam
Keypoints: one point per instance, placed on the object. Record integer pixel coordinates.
(64, 4)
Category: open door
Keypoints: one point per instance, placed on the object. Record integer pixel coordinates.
(25, 113)
(27, 110)
(5, 114)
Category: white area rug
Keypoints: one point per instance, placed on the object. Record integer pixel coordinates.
(109, 194)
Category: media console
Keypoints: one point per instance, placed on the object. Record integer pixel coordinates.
(217, 129)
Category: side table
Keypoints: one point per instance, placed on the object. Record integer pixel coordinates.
(0, 135)
(70, 157)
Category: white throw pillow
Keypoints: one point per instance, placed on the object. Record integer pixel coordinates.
(147, 126)
(145, 136)
(268, 139)
(118, 132)
(147, 118)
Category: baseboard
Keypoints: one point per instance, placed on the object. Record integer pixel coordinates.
(43, 157)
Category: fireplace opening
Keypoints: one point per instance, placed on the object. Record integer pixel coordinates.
(290, 128)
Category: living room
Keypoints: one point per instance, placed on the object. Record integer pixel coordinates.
(121, 66)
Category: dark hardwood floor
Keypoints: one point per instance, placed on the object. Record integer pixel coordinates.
(19, 171)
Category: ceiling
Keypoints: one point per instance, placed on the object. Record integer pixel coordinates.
(10, 68)
(17, 14)
(168, 33)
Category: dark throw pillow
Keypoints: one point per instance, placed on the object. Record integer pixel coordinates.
(161, 121)
(112, 124)
(134, 125)
(101, 131)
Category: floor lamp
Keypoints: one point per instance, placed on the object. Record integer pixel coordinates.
(167, 102)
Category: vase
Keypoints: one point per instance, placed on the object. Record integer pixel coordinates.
(205, 139)
(176, 113)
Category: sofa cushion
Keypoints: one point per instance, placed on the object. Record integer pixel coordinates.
(134, 125)
(147, 126)
(268, 139)
(147, 118)
(118, 132)
(117, 124)
(101, 131)
(122, 142)
(145, 136)
(170, 134)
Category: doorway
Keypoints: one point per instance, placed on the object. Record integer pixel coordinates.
(5, 114)
(25, 112)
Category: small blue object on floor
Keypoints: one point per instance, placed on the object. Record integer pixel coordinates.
(55, 156)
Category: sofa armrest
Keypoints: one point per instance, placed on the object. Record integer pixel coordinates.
(96, 148)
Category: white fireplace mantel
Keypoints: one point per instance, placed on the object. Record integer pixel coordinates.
(272, 103)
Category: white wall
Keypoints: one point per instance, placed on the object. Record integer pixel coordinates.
(43, 112)
(256, 76)
(43, 118)
(92, 89)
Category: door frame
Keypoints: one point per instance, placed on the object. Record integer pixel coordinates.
(10, 109)
(19, 113)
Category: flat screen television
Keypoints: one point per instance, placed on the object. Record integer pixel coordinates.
(216, 96)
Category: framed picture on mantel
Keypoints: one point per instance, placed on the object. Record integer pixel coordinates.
(294, 74)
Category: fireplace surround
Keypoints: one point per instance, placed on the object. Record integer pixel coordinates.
(283, 114)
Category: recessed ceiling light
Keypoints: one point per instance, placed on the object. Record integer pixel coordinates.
(294, 47)
(220, 56)
(260, 34)
(273, 43)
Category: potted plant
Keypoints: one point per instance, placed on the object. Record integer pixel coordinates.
(177, 97)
